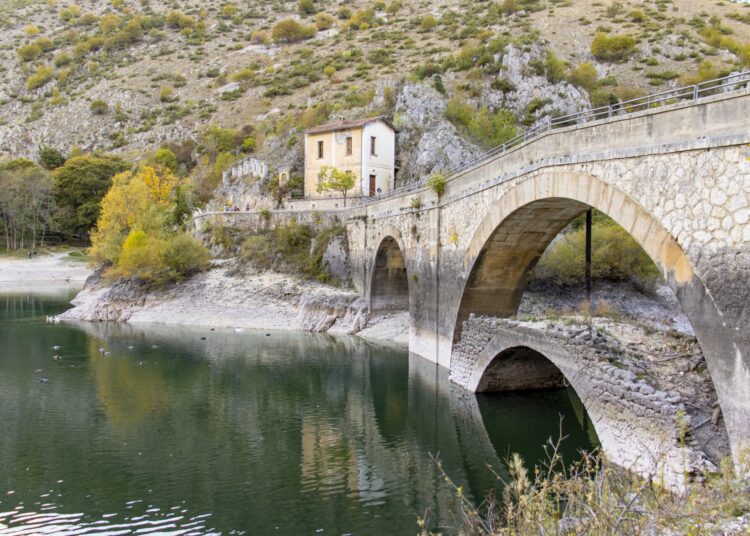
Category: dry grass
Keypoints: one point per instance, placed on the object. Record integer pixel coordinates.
(592, 497)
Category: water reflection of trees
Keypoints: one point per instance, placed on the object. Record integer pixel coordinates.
(233, 422)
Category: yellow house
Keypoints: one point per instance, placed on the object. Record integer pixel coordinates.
(366, 147)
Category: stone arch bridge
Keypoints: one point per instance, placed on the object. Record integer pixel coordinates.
(676, 177)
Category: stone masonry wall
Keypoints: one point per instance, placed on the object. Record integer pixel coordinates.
(639, 426)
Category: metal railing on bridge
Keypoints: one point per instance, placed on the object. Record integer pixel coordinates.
(725, 84)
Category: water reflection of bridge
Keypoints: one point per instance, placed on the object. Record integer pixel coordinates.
(367, 436)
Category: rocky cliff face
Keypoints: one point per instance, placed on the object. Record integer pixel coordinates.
(530, 93)
(427, 141)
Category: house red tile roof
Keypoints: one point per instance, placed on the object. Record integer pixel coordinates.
(347, 125)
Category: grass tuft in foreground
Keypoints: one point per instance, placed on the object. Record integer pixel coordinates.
(593, 497)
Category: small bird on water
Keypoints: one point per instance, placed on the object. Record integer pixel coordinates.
(56, 347)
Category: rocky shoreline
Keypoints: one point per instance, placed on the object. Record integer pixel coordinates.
(267, 300)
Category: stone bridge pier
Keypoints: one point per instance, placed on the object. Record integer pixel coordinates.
(677, 178)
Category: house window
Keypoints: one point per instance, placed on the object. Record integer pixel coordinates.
(348, 146)
(372, 145)
(320, 149)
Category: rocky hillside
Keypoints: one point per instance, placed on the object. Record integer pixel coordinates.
(455, 76)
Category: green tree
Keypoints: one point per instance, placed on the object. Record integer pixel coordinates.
(337, 180)
(50, 158)
(219, 140)
(166, 158)
(26, 203)
(80, 185)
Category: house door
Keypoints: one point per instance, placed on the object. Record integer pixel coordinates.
(372, 185)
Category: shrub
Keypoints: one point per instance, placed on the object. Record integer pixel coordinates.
(290, 31)
(344, 13)
(184, 255)
(715, 37)
(488, 128)
(109, 23)
(427, 70)
(554, 67)
(705, 71)
(228, 11)
(62, 59)
(260, 37)
(50, 158)
(40, 77)
(593, 496)
(136, 230)
(306, 7)
(141, 257)
(427, 23)
(99, 107)
(166, 94)
(380, 56)
(289, 248)
(637, 16)
(67, 14)
(612, 48)
(324, 21)
(503, 84)
(177, 19)
(87, 19)
(248, 144)
(584, 76)
(615, 256)
(165, 157)
(29, 52)
(436, 183)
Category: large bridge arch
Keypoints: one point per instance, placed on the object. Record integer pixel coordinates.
(388, 282)
(519, 226)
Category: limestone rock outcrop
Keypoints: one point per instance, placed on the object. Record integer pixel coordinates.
(529, 92)
(427, 141)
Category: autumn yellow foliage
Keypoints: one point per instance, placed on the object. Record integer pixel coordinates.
(136, 233)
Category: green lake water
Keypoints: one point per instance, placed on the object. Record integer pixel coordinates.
(185, 430)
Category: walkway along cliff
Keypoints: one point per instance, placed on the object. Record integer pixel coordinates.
(674, 174)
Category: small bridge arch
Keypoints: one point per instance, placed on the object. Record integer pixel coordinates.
(389, 278)
(635, 431)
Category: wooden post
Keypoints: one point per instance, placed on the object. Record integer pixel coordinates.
(588, 256)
